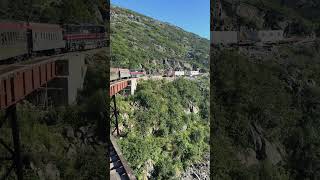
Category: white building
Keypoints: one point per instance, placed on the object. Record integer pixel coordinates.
(193, 73)
(179, 73)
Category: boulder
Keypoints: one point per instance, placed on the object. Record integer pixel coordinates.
(68, 131)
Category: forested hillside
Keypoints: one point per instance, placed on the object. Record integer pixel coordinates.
(165, 128)
(48, 11)
(266, 116)
(138, 41)
(265, 106)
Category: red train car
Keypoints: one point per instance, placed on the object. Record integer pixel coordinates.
(81, 37)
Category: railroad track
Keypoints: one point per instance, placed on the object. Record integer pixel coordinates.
(119, 169)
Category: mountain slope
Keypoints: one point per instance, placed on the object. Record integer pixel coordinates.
(294, 17)
(138, 41)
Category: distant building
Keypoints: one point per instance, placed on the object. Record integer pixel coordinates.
(179, 73)
(193, 73)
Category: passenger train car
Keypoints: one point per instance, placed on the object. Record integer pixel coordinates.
(13, 40)
(137, 73)
(119, 73)
(45, 38)
(19, 39)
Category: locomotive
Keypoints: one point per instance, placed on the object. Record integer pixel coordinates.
(19, 40)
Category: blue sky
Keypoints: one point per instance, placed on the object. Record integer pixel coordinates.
(191, 15)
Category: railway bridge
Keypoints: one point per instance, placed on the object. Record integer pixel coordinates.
(119, 168)
(59, 76)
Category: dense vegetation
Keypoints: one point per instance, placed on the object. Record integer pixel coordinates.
(263, 110)
(138, 41)
(46, 11)
(162, 136)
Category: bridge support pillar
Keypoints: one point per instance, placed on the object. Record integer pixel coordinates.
(11, 115)
(115, 114)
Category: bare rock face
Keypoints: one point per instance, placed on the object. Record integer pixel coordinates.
(51, 172)
(248, 158)
(199, 171)
(98, 14)
(149, 168)
(69, 133)
(252, 14)
(272, 153)
(264, 149)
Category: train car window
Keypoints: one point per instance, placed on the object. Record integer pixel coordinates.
(7, 38)
(4, 38)
(10, 37)
(15, 36)
(1, 38)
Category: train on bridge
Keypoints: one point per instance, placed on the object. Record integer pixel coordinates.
(20, 40)
(120, 73)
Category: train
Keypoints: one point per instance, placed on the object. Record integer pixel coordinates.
(120, 73)
(20, 40)
(247, 37)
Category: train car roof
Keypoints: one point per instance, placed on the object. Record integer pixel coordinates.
(44, 27)
(13, 25)
(80, 25)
